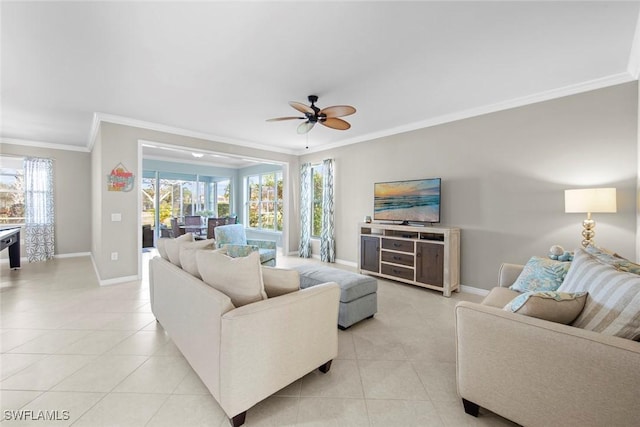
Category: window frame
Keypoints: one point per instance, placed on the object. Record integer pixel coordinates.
(276, 202)
(13, 159)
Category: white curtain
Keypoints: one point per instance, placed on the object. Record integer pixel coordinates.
(327, 241)
(305, 210)
(39, 214)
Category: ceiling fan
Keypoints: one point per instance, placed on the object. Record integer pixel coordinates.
(312, 114)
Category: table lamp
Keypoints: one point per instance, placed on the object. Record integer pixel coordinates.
(589, 200)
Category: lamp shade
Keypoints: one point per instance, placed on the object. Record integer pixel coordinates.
(590, 200)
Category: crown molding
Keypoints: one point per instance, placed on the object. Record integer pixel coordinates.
(633, 66)
(41, 144)
(98, 118)
(587, 86)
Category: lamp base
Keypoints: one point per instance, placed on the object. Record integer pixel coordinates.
(588, 232)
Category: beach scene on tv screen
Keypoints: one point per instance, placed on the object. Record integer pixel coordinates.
(417, 201)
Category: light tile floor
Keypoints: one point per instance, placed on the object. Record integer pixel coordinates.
(97, 356)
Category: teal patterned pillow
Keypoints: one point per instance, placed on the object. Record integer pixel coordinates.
(606, 257)
(541, 274)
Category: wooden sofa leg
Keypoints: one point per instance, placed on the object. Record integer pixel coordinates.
(325, 368)
(470, 408)
(238, 420)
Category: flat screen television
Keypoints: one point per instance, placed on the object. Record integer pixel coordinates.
(407, 201)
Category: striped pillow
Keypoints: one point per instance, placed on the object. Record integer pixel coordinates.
(613, 302)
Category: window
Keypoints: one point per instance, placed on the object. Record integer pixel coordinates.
(316, 200)
(181, 195)
(11, 190)
(264, 201)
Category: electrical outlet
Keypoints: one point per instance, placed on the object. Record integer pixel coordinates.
(114, 256)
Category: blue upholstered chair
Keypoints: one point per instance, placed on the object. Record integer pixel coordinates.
(234, 238)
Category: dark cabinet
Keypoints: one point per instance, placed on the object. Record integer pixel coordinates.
(370, 253)
(430, 263)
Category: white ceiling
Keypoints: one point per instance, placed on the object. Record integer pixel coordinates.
(220, 69)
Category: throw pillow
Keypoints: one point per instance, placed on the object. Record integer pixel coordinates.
(613, 302)
(559, 307)
(612, 259)
(280, 281)
(172, 247)
(541, 274)
(238, 278)
(161, 245)
(188, 255)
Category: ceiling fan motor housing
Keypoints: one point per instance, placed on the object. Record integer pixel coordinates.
(316, 116)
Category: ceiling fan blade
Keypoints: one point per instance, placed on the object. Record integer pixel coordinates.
(338, 111)
(277, 119)
(335, 123)
(305, 127)
(301, 107)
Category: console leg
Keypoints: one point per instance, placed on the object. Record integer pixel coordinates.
(325, 368)
(470, 408)
(238, 420)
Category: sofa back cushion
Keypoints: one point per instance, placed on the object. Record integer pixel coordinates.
(172, 247)
(612, 259)
(188, 255)
(238, 278)
(613, 302)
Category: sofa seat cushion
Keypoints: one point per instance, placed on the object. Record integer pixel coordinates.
(238, 278)
(613, 302)
(559, 307)
(352, 285)
(541, 274)
(499, 297)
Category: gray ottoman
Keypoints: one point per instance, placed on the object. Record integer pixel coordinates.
(358, 293)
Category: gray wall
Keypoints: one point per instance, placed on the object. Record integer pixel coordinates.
(72, 171)
(120, 144)
(503, 176)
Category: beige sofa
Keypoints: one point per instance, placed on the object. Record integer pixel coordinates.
(538, 373)
(245, 354)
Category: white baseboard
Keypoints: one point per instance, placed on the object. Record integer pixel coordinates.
(473, 290)
(73, 255)
(115, 280)
(25, 260)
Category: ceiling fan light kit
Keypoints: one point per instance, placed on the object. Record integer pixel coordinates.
(328, 117)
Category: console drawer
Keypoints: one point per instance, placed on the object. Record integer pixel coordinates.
(401, 272)
(396, 258)
(398, 245)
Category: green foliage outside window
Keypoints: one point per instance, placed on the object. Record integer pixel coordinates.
(316, 195)
(264, 207)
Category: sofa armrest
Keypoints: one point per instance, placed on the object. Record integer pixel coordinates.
(269, 344)
(508, 274)
(539, 373)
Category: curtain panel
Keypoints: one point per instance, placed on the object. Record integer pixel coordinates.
(39, 209)
(305, 211)
(327, 241)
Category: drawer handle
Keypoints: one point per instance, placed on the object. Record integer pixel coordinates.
(396, 245)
